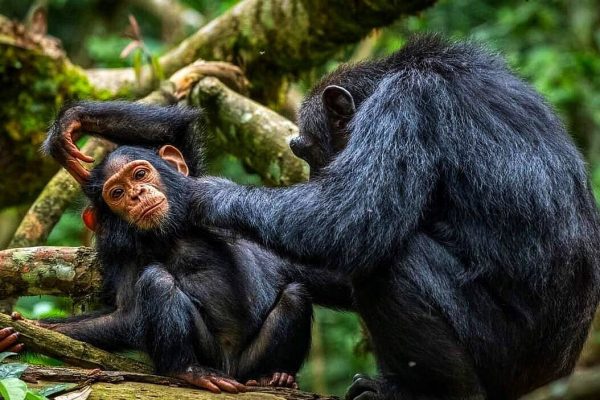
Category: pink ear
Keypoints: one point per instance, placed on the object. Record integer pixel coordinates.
(173, 156)
(90, 218)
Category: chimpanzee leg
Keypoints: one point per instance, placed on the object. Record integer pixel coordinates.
(173, 330)
(175, 334)
(277, 352)
(418, 352)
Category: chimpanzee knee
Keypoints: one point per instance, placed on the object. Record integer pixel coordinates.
(169, 317)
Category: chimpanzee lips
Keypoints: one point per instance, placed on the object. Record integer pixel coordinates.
(150, 209)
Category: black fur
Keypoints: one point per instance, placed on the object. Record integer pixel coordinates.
(150, 126)
(190, 296)
(462, 211)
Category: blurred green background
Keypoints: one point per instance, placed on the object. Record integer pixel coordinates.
(554, 44)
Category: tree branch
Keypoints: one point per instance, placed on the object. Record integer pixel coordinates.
(70, 350)
(273, 39)
(258, 136)
(128, 385)
(71, 271)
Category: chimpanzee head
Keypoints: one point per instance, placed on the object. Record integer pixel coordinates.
(139, 186)
(328, 109)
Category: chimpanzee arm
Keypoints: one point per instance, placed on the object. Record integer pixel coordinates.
(123, 123)
(368, 200)
(104, 329)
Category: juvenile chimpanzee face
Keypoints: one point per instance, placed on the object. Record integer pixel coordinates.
(135, 183)
(136, 193)
(323, 127)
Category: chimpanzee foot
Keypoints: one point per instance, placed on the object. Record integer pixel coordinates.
(8, 341)
(278, 379)
(213, 381)
(364, 388)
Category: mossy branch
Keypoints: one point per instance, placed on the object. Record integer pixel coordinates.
(258, 136)
(70, 350)
(128, 385)
(273, 39)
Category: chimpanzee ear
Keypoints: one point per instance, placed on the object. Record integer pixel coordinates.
(173, 156)
(90, 219)
(338, 101)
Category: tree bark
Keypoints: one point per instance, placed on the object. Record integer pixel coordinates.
(71, 271)
(255, 134)
(276, 39)
(72, 351)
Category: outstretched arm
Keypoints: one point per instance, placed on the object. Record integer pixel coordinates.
(368, 200)
(121, 122)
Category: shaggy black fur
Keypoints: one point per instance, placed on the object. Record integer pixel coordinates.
(462, 211)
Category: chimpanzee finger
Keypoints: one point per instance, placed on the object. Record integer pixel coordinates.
(226, 385)
(283, 379)
(205, 383)
(252, 382)
(5, 332)
(16, 348)
(76, 170)
(74, 151)
(291, 380)
(9, 341)
(70, 135)
(274, 379)
(295, 385)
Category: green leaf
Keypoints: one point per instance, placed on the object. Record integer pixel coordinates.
(12, 370)
(6, 354)
(50, 390)
(13, 389)
(34, 396)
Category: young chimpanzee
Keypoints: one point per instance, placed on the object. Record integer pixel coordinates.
(204, 306)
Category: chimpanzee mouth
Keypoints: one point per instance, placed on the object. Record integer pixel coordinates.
(150, 209)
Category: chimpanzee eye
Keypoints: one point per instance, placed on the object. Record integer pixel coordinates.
(117, 193)
(140, 174)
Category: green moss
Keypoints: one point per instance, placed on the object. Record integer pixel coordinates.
(34, 87)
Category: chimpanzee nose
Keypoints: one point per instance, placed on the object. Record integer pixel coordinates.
(298, 146)
(139, 191)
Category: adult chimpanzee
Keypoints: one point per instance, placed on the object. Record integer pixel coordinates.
(204, 307)
(451, 194)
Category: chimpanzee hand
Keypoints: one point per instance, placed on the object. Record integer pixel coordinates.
(8, 341)
(60, 144)
(211, 380)
(278, 379)
(364, 388)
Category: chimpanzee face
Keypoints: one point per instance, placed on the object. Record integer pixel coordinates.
(135, 192)
(323, 127)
